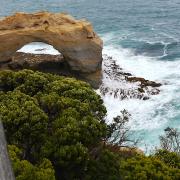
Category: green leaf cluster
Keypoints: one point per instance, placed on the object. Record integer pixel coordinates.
(145, 168)
(24, 170)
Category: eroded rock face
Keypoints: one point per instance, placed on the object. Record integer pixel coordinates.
(75, 39)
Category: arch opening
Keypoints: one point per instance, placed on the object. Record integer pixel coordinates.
(39, 48)
(39, 56)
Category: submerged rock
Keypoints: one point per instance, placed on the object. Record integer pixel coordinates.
(75, 39)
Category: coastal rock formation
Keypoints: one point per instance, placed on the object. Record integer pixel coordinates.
(75, 39)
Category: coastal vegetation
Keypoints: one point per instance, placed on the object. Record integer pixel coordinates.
(55, 128)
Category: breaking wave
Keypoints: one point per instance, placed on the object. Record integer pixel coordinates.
(148, 118)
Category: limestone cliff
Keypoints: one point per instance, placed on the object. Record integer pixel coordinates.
(75, 39)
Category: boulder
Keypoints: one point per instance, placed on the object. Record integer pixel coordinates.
(74, 39)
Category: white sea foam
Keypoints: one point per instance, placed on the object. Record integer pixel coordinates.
(39, 48)
(143, 66)
(153, 115)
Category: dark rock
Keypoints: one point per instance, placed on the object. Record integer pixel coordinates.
(145, 98)
(143, 82)
(142, 89)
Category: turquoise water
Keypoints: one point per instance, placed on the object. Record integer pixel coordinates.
(144, 38)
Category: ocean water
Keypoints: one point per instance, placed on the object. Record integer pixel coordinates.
(144, 39)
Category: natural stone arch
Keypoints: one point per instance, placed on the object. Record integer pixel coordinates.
(75, 39)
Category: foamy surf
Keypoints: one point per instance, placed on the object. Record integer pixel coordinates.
(148, 118)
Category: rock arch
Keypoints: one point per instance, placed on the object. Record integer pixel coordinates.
(75, 39)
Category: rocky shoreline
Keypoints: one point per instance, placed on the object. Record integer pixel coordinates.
(81, 50)
(125, 85)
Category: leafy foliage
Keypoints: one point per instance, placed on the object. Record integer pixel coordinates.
(106, 165)
(170, 158)
(52, 117)
(24, 170)
(55, 129)
(145, 168)
(24, 122)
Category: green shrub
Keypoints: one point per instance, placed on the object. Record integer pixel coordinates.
(24, 122)
(24, 170)
(145, 168)
(172, 159)
(105, 165)
(52, 117)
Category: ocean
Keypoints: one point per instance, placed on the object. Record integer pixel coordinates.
(143, 37)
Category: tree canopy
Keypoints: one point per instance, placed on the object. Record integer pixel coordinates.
(55, 128)
(52, 117)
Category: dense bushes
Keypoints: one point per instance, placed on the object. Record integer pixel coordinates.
(55, 128)
(169, 158)
(106, 165)
(23, 169)
(24, 122)
(52, 117)
(142, 167)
